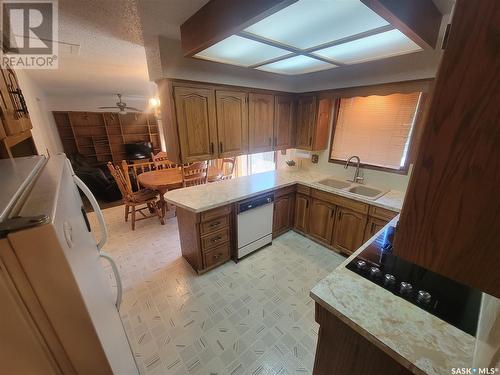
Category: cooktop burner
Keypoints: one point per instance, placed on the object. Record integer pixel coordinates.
(450, 301)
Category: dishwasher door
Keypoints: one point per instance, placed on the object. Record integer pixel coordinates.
(255, 229)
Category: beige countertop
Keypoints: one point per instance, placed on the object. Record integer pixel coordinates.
(204, 197)
(418, 340)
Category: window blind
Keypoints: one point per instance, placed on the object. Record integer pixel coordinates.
(375, 128)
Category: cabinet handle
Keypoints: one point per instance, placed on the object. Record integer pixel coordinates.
(216, 239)
(217, 256)
(270, 141)
(221, 148)
(275, 141)
(215, 223)
(333, 211)
(307, 203)
(310, 141)
(340, 215)
(212, 148)
(373, 228)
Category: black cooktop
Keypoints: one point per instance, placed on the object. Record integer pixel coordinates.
(450, 301)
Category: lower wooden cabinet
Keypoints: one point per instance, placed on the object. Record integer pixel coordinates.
(283, 214)
(373, 226)
(301, 217)
(321, 220)
(348, 230)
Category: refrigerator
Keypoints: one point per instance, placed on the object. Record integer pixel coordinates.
(58, 313)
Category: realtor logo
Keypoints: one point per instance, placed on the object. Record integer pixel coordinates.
(29, 34)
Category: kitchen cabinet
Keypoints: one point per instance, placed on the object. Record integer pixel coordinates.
(313, 120)
(283, 213)
(260, 122)
(349, 230)
(301, 217)
(373, 226)
(197, 126)
(321, 221)
(283, 122)
(232, 123)
(13, 110)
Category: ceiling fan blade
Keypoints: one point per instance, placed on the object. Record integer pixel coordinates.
(133, 109)
(107, 107)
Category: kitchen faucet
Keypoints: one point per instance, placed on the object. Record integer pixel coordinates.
(357, 177)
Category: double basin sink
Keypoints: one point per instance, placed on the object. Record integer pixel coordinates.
(367, 192)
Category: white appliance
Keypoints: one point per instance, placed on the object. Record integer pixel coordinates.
(255, 224)
(59, 315)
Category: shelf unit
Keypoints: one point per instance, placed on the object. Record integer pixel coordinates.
(101, 136)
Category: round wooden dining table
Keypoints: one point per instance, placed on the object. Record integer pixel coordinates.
(163, 180)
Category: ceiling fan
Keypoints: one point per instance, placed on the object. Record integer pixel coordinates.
(121, 106)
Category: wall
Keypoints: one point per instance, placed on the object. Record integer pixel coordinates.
(44, 128)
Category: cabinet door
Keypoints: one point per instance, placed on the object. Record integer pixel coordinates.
(349, 230)
(306, 117)
(301, 218)
(373, 226)
(283, 122)
(321, 220)
(232, 123)
(195, 110)
(260, 122)
(13, 110)
(283, 214)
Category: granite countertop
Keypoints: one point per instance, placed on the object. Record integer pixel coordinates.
(204, 197)
(418, 340)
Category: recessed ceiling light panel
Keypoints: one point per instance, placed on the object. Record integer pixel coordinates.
(296, 65)
(240, 51)
(378, 46)
(310, 23)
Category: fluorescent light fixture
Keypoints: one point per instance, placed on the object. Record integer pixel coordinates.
(310, 23)
(378, 46)
(296, 65)
(240, 51)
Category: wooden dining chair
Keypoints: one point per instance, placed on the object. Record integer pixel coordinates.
(135, 169)
(195, 173)
(133, 199)
(228, 168)
(161, 161)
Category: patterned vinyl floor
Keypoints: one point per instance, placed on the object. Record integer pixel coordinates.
(254, 317)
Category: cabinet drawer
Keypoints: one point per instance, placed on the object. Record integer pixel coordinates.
(214, 239)
(340, 201)
(213, 225)
(303, 189)
(216, 212)
(284, 191)
(382, 213)
(218, 255)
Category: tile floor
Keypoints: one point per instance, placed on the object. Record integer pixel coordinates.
(254, 317)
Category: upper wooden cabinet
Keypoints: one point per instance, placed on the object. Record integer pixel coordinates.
(232, 123)
(260, 122)
(313, 120)
(13, 109)
(197, 126)
(283, 122)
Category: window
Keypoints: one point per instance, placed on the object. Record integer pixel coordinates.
(378, 129)
(255, 163)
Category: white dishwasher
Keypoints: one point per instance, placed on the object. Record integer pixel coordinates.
(255, 224)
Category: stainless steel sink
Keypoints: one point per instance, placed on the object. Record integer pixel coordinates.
(368, 192)
(337, 184)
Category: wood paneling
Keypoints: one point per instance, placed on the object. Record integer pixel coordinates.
(283, 215)
(195, 109)
(232, 123)
(450, 222)
(321, 220)
(219, 19)
(283, 122)
(341, 350)
(260, 122)
(349, 230)
(419, 20)
(301, 217)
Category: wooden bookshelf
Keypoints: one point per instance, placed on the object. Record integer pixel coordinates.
(101, 136)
